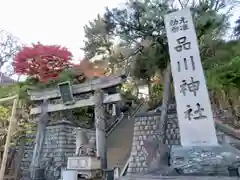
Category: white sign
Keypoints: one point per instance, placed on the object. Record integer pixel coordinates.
(193, 105)
(83, 163)
(69, 175)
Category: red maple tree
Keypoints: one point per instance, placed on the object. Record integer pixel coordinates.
(42, 61)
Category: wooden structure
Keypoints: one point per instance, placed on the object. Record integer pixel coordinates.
(90, 93)
(12, 125)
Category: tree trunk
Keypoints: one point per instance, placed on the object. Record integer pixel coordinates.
(149, 90)
(166, 93)
(161, 164)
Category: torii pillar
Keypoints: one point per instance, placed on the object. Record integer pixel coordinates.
(100, 128)
(41, 127)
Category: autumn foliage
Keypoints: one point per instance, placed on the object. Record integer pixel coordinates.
(86, 67)
(42, 61)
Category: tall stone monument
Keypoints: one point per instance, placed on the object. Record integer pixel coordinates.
(193, 105)
(200, 153)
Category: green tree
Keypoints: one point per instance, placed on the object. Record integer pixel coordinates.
(140, 25)
(236, 30)
(224, 85)
(141, 21)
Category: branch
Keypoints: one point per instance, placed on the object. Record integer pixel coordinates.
(181, 4)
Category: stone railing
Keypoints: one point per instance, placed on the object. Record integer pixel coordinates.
(127, 157)
(227, 130)
(137, 109)
(123, 171)
(120, 118)
(114, 124)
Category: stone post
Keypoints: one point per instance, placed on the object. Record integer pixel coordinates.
(114, 113)
(100, 128)
(41, 127)
(81, 139)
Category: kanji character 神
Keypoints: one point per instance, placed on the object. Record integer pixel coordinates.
(183, 87)
(193, 86)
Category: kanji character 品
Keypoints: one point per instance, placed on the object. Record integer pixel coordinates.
(183, 44)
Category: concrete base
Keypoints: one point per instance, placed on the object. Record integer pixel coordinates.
(222, 160)
(74, 174)
(150, 177)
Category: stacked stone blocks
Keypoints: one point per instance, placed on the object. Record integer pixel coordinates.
(146, 127)
(59, 143)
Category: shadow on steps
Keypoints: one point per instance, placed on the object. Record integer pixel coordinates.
(119, 143)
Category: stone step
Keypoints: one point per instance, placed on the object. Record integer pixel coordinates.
(116, 157)
(119, 143)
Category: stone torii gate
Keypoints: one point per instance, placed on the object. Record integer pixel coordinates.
(69, 97)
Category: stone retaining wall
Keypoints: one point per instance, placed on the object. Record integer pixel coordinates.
(59, 143)
(145, 128)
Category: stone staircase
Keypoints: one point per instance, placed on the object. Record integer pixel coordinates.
(119, 143)
(119, 140)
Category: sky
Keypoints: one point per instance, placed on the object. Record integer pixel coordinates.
(54, 21)
(51, 21)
